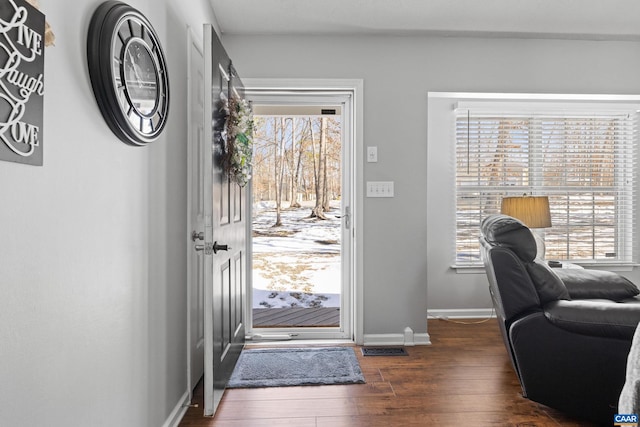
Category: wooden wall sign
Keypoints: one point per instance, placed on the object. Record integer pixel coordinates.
(22, 30)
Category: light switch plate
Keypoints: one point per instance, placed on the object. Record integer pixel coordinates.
(372, 154)
(379, 188)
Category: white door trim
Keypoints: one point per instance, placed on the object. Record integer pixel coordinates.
(209, 396)
(192, 40)
(355, 86)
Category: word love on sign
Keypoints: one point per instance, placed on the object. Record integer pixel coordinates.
(21, 82)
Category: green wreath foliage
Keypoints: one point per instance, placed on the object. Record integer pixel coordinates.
(239, 150)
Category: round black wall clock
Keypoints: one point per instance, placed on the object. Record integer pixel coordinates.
(128, 73)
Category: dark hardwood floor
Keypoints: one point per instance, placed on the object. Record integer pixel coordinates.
(463, 379)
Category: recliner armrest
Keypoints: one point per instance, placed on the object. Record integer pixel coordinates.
(596, 284)
(595, 318)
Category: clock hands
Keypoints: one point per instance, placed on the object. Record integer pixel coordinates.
(135, 67)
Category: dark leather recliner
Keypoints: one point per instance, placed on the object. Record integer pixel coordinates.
(568, 331)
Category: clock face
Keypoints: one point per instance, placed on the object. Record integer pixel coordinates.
(128, 73)
(140, 79)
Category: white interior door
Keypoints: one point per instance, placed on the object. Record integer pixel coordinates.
(195, 273)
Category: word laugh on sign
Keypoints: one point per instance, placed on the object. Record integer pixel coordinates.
(21, 82)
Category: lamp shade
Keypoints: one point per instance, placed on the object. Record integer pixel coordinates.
(533, 211)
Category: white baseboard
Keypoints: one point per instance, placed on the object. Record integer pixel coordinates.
(396, 339)
(463, 313)
(174, 418)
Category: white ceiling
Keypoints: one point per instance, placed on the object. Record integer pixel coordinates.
(571, 19)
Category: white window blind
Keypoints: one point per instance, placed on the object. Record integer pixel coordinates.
(584, 159)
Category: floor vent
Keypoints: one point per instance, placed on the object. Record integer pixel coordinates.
(384, 351)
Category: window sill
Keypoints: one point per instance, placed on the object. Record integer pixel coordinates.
(610, 266)
(468, 269)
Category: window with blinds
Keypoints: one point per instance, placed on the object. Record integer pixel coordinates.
(583, 159)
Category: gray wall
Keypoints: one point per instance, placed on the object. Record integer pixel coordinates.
(409, 239)
(93, 247)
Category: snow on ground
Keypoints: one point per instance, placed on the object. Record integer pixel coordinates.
(298, 263)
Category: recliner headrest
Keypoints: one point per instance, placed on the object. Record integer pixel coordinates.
(508, 232)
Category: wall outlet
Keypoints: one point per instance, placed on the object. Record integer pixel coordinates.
(380, 189)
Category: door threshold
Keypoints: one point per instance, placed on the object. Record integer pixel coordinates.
(294, 343)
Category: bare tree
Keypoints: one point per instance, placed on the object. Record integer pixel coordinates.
(295, 180)
(262, 161)
(324, 181)
(279, 142)
(319, 172)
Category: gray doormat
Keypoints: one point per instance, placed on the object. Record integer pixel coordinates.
(384, 351)
(278, 367)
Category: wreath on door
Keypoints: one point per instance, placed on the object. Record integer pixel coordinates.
(238, 153)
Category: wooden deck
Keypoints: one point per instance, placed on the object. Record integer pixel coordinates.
(296, 317)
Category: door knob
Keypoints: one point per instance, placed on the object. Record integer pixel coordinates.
(197, 236)
(217, 247)
(199, 247)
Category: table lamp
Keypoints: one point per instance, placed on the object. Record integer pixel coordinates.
(533, 211)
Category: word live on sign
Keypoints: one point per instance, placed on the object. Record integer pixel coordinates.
(21, 82)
